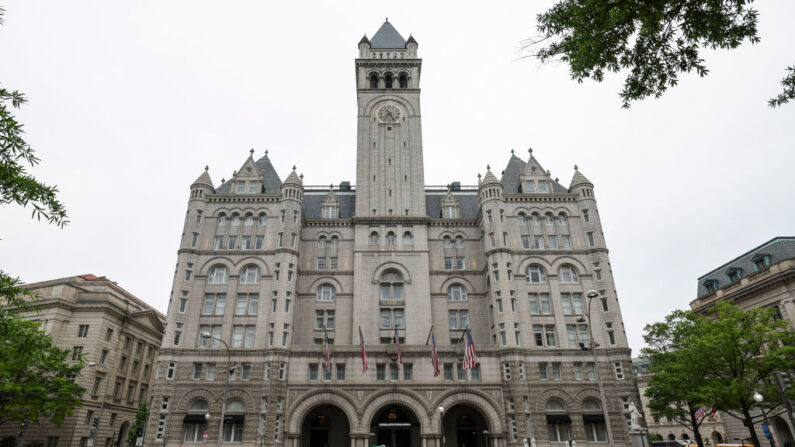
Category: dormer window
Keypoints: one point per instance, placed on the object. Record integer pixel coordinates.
(542, 186)
(240, 187)
(529, 186)
(711, 285)
(252, 187)
(761, 262)
(450, 212)
(734, 274)
(330, 212)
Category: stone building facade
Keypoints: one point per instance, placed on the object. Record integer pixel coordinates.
(712, 430)
(269, 267)
(120, 335)
(761, 277)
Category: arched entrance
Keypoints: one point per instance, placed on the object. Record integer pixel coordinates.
(717, 438)
(783, 432)
(125, 427)
(396, 426)
(325, 426)
(464, 426)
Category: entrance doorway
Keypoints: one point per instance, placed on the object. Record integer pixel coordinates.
(783, 432)
(464, 426)
(325, 426)
(396, 426)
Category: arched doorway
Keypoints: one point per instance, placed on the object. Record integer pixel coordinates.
(464, 426)
(783, 432)
(717, 438)
(325, 426)
(396, 426)
(122, 441)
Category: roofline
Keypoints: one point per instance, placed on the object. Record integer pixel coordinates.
(771, 241)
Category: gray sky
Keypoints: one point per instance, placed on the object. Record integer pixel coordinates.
(129, 102)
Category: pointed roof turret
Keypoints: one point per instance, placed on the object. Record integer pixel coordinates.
(364, 40)
(411, 40)
(490, 177)
(204, 179)
(294, 178)
(579, 179)
(387, 37)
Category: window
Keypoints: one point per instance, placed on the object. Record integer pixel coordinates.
(403, 81)
(108, 334)
(448, 371)
(544, 335)
(565, 241)
(488, 217)
(459, 263)
(492, 242)
(373, 80)
(543, 186)
(391, 318)
(619, 371)
(553, 242)
(562, 219)
(324, 319)
(380, 371)
(214, 304)
(218, 275)
(734, 274)
(458, 319)
(170, 373)
(326, 292)
(506, 371)
(250, 275)
(245, 243)
(761, 262)
(177, 334)
(103, 356)
(525, 241)
(183, 304)
(585, 216)
(391, 239)
(558, 422)
(261, 220)
(77, 351)
(247, 304)
(197, 371)
(456, 292)
(572, 303)
(221, 220)
(591, 241)
(219, 243)
(374, 238)
(568, 275)
(194, 240)
(711, 285)
(252, 187)
(240, 188)
(539, 303)
(408, 239)
(495, 271)
(127, 341)
(214, 331)
(450, 212)
(82, 331)
(231, 242)
(535, 274)
(391, 286)
(538, 242)
(593, 419)
(161, 427)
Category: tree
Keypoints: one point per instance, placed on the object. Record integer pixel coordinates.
(719, 360)
(140, 422)
(675, 387)
(36, 377)
(655, 40)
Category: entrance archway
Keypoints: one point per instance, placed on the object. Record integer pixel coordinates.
(125, 427)
(396, 426)
(717, 438)
(783, 432)
(464, 426)
(325, 426)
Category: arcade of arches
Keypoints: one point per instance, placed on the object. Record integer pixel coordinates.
(396, 425)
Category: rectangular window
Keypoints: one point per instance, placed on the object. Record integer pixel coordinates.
(525, 241)
(103, 356)
(259, 242)
(591, 241)
(188, 275)
(245, 373)
(252, 187)
(538, 242)
(619, 370)
(82, 331)
(108, 334)
(578, 373)
(565, 241)
(556, 372)
(240, 187)
(492, 241)
(183, 304)
(542, 186)
(591, 369)
(542, 371)
(194, 240)
(380, 371)
(340, 371)
(448, 263)
(460, 373)
(521, 371)
(282, 370)
(506, 371)
(611, 336)
(408, 371)
(448, 371)
(499, 305)
(313, 372)
(529, 186)
(245, 243)
(171, 367)
(210, 372)
(197, 371)
(231, 242)
(161, 427)
(549, 330)
(219, 243)
(474, 373)
(585, 216)
(77, 351)
(553, 242)
(394, 373)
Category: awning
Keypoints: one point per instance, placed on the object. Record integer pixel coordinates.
(234, 418)
(593, 418)
(561, 418)
(193, 418)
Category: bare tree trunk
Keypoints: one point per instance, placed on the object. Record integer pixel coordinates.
(694, 424)
(749, 422)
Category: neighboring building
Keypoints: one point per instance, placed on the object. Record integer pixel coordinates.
(712, 430)
(111, 328)
(761, 277)
(266, 264)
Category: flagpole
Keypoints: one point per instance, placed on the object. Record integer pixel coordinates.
(429, 336)
(463, 333)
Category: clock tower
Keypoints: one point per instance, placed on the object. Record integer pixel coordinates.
(389, 170)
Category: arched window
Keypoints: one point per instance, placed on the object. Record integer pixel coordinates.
(235, 220)
(391, 286)
(403, 80)
(456, 292)
(594, 421)
(558, 421)
(548, 219)
(334, 242)
(459, 242)
(562, 220)
(262, 219)
(235, 407)
(195, 421)
(522, 219)
(535, 219)
(249, 220)
(218, 275)
(199, 405)
(373, 80)
(326, 292)
(233, 421)
(536, 274)
(221, 220)
(250, 275)
(374, 238)
(321, 242)
(447, 242)
(568, 275)
(391, 238)
(388, 80)
(408, 239)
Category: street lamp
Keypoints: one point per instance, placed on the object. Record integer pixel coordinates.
(759, 399)
(441, 423)
(591, 294)
(101, 406)
(207, 335)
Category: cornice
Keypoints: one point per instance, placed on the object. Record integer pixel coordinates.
(454, 223)
(390, 220)
(229, 198)
(540, 198)
(750, 289)
(328, 222)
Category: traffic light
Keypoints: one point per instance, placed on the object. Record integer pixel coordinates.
(785, 381)
(95, 424)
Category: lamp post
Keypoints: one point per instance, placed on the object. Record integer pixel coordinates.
(441, 423)
(759, 399)
(207, 335)
(101, 406)
(591, 294)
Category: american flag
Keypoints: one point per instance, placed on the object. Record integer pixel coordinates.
(397, 343)
(434, 357)
(714, 412)
(469, 351)
(328, 351)
(364, 352)
(702, 411)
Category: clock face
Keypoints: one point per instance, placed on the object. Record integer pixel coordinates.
(388, 114)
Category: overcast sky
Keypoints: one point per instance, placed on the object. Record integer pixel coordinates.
(129, 102)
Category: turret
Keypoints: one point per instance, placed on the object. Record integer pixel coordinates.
(202, 186)
(411, 46)
(364, 47)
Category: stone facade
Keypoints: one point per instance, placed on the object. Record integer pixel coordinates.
(116, 331)
(514, 259)
(761, 277)
(712, 429)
